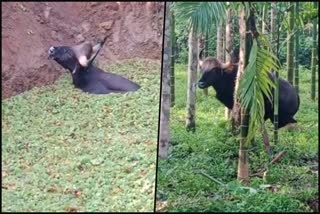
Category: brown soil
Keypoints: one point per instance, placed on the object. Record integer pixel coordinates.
(30, 28)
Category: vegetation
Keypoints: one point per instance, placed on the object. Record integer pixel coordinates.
(183, 182)
(65, 150)
(307, 14)
(209, 154)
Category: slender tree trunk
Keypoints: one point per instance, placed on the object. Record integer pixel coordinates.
(296, 58)
(243, 162)
(314, 57)
(201, 43)
(229, 47)
(220, 43)
(236, 110)
(206, 54)
(165, 97)
(274, 19)
(223, 41)
(172, 43)
(221, 51)
(192, 76)
(273, 24)
(264, 11)
(290, 46)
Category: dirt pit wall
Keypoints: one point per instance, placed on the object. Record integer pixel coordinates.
(30, 28)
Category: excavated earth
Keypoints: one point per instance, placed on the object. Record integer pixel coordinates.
(30, 28)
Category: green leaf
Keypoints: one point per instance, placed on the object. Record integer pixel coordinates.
(255, 83)
(201, 16)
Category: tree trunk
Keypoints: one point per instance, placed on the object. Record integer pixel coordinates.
(206, 46)
(290, 46)
(172, 43)
(201, 43)
(165, 97)
(192, 76)
(314, 57)
(229, 47)
(296, 58)
(223, 41)
(206, 54)
(236, 111)
(243, 162)
(275, 21)
(264, 14)
(219, 49)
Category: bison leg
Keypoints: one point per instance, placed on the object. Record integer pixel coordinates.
(266, 140)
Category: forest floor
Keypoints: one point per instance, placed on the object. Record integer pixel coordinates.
(201, 171)
(66, 150)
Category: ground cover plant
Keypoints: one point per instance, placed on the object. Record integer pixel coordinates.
(65, 150)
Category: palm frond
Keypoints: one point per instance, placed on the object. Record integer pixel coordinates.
(201, 16)
(255, 83)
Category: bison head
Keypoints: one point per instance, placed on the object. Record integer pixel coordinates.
(64, 56)
(211, 69)
(76, 57)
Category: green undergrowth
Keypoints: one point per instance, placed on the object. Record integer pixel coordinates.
(66, 150)
(201, 171)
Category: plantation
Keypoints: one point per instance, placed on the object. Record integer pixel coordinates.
(200, 173)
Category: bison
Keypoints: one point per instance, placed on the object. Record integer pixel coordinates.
(222, 77)
(87, 77)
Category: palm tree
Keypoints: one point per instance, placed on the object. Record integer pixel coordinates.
(275, 22)
(219, 49)
(264, 14)
(229, 46)
(256, 60)
(296, 58)
(189, 12)
(243, 162)
(255, 82)
(201, 46)
(165, 97)
(192, 78)
(314, 57)
(290, 44)
(206, 46)
(206, 54)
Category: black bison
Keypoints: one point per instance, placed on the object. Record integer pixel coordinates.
(87, 77)
(222, 76)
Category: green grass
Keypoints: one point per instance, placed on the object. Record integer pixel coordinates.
(212, 150)
(65, 150)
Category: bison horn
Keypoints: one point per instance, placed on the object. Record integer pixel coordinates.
(200, 62)
(225, 65)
